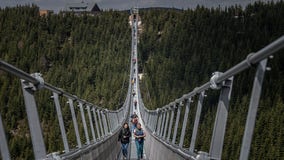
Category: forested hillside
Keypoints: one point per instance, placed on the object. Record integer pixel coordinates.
(87, 56)
(181, 49)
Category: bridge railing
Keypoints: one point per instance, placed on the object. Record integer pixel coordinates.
(105, 122)
(161, 120)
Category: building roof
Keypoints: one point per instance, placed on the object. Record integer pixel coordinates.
(82, 7)
(96, 8)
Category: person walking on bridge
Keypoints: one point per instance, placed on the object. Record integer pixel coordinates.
(123, 137)
(139, 135)
(134, 121)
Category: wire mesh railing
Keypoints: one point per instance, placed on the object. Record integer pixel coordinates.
(105, 122)
(165, 121)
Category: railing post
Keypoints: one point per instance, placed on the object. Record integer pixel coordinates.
(114, 122)
(70, 101)
(151, 121)
(171, 123)
(145, 117)
(96, 122)
(121, 116)
(104, 122)
(61, 123)
(33, 120)
(217, 140)
(163, 123)
(91, 123)
(148, 118)
(84, 122)
(100, 122)
(3, 145)
(196, 122)
(251, 116)
(156, 121)
(142, 112)
(117, 117)
(160, 117)
(176, 125)
(111, 122)
(184, 121)
(108, 120)
(166, 125)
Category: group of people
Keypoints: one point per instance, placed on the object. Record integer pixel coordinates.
(138, 133)
(136, 128)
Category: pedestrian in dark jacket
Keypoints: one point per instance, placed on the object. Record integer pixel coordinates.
(139, 135)
(123, 137)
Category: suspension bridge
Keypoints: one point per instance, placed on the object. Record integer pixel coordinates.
(161, 125)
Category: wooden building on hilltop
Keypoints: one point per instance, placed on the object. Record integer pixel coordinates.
(81, 8)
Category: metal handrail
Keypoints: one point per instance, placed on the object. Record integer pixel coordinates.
(253, 59)
(111, 120)
(247, 63)
(29, 78)
(17, 72)
(218, 81)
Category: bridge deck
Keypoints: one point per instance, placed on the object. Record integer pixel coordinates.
(132, 154)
